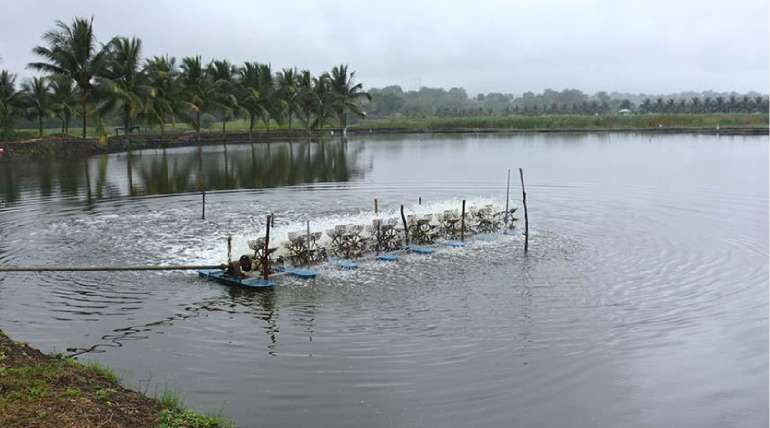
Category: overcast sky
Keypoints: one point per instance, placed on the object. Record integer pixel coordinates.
(650, 46)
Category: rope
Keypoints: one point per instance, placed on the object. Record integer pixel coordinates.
(104, 268)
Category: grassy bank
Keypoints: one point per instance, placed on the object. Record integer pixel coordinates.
(482, 122)
(48, 391)
(574, 122)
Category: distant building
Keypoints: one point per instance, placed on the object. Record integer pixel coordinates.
(624, 112)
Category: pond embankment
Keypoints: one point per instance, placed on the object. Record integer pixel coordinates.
(56, 147)
(52, 391)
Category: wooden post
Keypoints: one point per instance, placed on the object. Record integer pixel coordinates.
(406, 228)
(507, 195)
(265, 258)
(229, 250)
(419, 200)
(307, 240)
(203, 205)
(462, 223)
(526, 218)
(375, 207)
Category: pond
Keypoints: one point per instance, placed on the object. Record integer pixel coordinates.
(643, 300)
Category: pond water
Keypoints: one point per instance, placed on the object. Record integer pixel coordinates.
(643, 300)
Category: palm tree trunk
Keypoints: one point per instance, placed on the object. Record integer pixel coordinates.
(198, 124)
(83, 105)
(40, 125)
(224, 122)
(126, 124)
(251, 125)
(290, 120)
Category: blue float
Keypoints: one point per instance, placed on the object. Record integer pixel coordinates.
(421, 250)
(387, 258)
(455, 244)
(301, 273)
(221, 277)
(347, 264)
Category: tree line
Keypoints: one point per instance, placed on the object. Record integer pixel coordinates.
(85, 82)
(455, 102)
(96, 83)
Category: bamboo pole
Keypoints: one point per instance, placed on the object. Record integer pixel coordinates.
(507, 195)
(462, 223)
(229, 250)
(203, 205)
(265, 258)
(376, 208)
(526, 218)
(406, 228)
(105, 268)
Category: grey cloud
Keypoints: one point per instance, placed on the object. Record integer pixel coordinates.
(508, 46)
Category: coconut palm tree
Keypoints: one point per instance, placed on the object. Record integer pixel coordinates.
(288, 92)
(695, 105)
(325, 99)
(270, 102)
(70, 50)
(38, 97)
(346, 93)
(11, 101)
(123, 86)
(719, 104)
(64, 100)
(196, 89)
(307, 99)
(161, 75)
(223, 76)
(249, 97)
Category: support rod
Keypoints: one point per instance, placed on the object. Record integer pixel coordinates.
(203, 205)
(406, 228)
(266, 254)
(507, 195)
(526, 218)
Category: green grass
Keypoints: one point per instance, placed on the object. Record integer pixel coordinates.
(171, 399)
(52, 391)
(480, 122)
(189, 419)
(572, 122)
(103, 371)
(175, 415)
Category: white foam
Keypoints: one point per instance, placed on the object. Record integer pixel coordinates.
(280, 233)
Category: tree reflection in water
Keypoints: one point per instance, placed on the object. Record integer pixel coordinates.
(179, 170)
